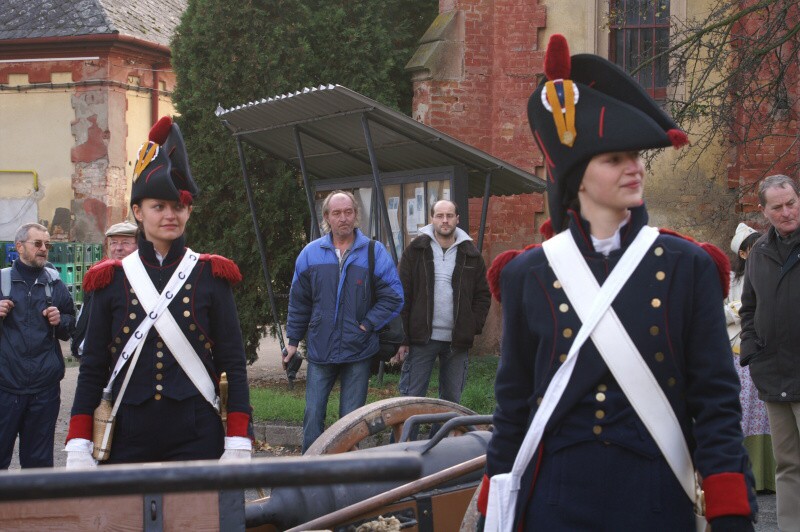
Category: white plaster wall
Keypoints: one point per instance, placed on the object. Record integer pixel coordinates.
(34, 135)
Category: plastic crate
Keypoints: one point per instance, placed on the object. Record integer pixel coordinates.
(58, 253)
(77, 297)
(66, 271)
(11, 256)
(97, 252)
(79, 269)
(88, 255)
(77, 252)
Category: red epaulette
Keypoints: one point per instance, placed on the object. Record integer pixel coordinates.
(100, 275)
(223, 267)
(499, 262)
(717, 255)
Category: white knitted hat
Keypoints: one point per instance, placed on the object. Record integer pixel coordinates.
(742, 231)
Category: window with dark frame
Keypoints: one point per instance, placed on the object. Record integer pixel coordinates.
(639, 32)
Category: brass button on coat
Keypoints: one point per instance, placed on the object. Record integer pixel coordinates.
(656, 303)
(562, 358)
(132, 315)
(671, 381)
(159, 344)
(134, 301)
(599, 414)
(654, 330)
(186, 299)
(188, 286)
(186, 313)
(192, 327)
(556, 284)
(157, 397)
(567, 333)
(159, 365)
(126, 329)
(159, 376)
(658, 251)
(600, 396)
(602, 387)
(597, 429)
(563, 307)
(160, 354)
(159, 387)
(659, 357)
(661, 276)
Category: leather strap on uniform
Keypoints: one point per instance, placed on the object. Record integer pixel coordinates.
(167, 327)
(624, 360)
(504, 488)
(181, 273)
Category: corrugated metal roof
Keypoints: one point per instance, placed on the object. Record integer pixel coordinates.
(329, 120)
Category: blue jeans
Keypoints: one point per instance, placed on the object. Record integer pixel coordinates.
(33, 417)
(416, 373)
(320, 378)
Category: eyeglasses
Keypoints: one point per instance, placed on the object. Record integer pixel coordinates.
(39, 243)
(123, 244)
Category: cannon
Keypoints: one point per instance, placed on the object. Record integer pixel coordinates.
(425, 478)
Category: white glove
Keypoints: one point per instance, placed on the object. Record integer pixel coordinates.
(79, 454)
(237, 448)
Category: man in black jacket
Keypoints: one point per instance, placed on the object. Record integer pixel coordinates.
(446, 302)
(770, 336)
(36, 313)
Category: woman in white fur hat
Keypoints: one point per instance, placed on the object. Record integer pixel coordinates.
(755, 425)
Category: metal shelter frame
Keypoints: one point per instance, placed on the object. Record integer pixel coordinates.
(331, 132)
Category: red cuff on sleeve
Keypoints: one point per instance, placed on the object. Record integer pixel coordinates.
(483, 496)
(80, 426)
(237, 424)
(726, 494)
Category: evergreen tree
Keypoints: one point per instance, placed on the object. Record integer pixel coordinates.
(229, 53)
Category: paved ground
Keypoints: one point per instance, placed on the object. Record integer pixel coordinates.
(269, 367)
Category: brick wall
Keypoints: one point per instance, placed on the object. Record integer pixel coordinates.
(484, 104)
(770, 126)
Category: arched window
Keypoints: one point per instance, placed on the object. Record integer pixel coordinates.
(639, 32)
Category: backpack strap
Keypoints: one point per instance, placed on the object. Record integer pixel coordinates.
(371, 262)
(52, 277)
(5, 282)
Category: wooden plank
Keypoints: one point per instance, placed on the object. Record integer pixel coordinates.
(117, 514)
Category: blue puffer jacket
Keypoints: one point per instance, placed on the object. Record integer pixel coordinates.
(329, 307)
(30, 354)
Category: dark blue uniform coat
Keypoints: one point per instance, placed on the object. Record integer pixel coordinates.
(671, 309)
(205, 311)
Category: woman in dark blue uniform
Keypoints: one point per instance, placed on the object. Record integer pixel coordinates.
(597, 466)
(163, 415)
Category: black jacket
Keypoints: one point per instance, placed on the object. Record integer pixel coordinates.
(770, 336)
(30, 354)
(471, 296)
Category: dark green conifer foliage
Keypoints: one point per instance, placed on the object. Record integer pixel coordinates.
(230, 53)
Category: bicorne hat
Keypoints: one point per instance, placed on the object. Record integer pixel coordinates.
(162, 167)
(585, 107)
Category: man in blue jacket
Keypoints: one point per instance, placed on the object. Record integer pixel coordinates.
(330, 304)
(36, 311)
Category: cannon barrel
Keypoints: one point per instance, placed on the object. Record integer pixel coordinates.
(290, 506)
(205, 475)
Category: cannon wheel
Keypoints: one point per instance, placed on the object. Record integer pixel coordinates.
(349, 431)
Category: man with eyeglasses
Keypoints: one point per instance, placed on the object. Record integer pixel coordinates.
(120, 242)
(35, 313)
(446, 302)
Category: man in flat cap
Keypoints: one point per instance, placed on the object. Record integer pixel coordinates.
(120, 242)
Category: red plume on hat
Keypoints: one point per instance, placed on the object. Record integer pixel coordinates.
(162, 168)
(585, 107)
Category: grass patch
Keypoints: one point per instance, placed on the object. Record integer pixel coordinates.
(275, 402)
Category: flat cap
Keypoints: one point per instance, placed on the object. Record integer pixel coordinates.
(122, 229)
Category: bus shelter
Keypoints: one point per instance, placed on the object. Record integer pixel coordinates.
(395, 166)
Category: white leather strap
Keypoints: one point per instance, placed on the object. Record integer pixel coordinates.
(626, 363)
(182, 272)
(167, 327)
(504, 488)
